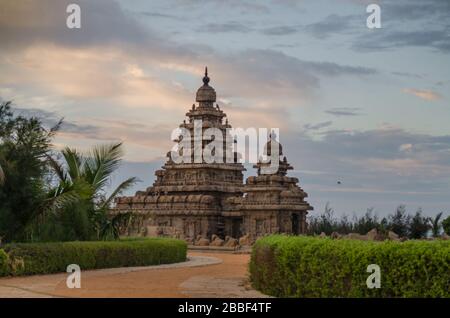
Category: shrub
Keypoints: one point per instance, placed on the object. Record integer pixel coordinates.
(3, 263)
(45, 258)
(285, 266)
(446, 225)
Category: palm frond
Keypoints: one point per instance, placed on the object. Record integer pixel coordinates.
(58, 169)
(101, 163)
(74, 162)
(435, 225)
(58, 199)
(125, 185)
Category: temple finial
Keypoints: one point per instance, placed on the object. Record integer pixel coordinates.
(272, 135)
(206, 78)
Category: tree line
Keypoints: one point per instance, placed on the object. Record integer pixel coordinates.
(412, 226)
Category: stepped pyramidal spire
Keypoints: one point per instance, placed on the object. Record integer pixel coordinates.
(196, 199)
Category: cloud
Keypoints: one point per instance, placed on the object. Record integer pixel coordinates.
(25, 22)
(280, 30)
(241, 6)
(272, 74)
(384, 144)
(157, 15)
(389, 39)
(50, 119)
(318, 125)
(332, 24)
(97, 130)
(227, 27)
(423, 94)
(415, 10)
(89, 64)
(372, 170)
(105, 24)
(408, 74)
(409, 23)
(344, 111)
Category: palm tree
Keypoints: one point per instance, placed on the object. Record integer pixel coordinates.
(435, 225)
(87, 177)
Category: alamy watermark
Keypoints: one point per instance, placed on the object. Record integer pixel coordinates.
(213, 145)
(374, 19)
(73, 20)
(374, 279)
(74, 279)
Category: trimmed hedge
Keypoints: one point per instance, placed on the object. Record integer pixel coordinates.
(296, 266)
(45, 258)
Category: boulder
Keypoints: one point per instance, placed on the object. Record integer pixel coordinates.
(335, 235)
(445, 236)
(231, 242)
(393, 236)
(356, 236)
(245, 240)
(374, 235)
(217, 241)
(202, 241)
(322, 235)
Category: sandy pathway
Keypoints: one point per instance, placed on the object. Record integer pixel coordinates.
(226, 277)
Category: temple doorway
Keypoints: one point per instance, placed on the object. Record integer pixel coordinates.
(295, 224)
(236, 225)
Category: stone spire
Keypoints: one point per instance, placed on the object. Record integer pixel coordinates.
(206, 95)
(206, 78)
(283, 165)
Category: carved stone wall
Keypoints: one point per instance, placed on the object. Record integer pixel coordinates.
(189, 200)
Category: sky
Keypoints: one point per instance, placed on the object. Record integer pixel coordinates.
(366, 107)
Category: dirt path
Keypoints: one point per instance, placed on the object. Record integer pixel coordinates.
(214, 275)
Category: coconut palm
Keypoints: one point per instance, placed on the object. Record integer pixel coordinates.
(88, 176)
(435, 224)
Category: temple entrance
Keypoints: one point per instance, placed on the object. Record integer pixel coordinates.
(236, 224)
(295, 224)
(189, 229)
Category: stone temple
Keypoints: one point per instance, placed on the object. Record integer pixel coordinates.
(200, 200)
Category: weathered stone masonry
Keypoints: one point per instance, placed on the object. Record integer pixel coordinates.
(192, 200)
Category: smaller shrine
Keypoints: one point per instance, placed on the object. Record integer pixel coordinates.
(272, 202)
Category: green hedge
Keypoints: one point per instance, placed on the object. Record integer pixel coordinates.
(293, 266)
(3, 263)
(45, 258)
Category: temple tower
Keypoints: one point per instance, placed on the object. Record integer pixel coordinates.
(272, 202)
(188, 197)
(196, 197)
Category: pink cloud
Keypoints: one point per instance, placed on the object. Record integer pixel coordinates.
(423, 94)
